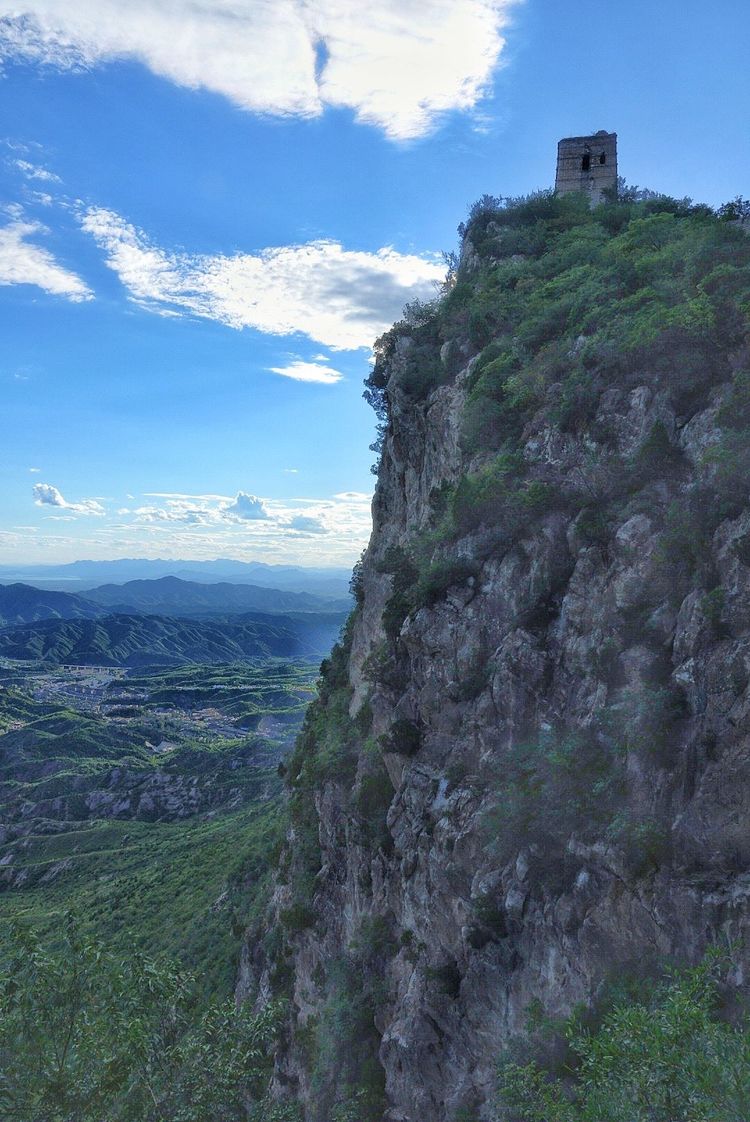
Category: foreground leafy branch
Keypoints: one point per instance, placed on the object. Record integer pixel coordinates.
(86, 1036)
(671, 1056)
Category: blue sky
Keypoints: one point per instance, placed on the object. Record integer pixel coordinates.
(210, 208)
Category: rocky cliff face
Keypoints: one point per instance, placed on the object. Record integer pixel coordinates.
(545, 777)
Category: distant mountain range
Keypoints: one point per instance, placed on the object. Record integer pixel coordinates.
(165, 622)
(20, 603)
(168, 596)
(82, 575)
(150, 640)
(175, 597)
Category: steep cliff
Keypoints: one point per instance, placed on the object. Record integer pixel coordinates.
(529, 765)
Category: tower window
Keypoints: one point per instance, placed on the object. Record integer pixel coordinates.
(603, 158)
(586, 162)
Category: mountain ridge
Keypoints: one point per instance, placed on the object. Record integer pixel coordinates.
(153, 640)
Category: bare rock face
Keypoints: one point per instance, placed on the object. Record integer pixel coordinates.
(612, 637)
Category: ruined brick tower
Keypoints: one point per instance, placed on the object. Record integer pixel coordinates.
(587, 163)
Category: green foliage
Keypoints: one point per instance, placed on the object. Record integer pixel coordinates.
(346, 1074)
(441, 574)
(738, 209)
(186, 889)
(668, 1056)
(372, 799)
(656, 456)
(325, 751)
(553, 788)
(400, 566)
(713, 609)
(648, 719)
(86, 1035)
(446, 977)
(184, 878)
(297, 917)
(495, 497)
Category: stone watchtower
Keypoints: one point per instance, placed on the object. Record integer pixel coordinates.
(587, 163)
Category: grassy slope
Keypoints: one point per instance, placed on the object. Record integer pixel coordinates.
(182, 889)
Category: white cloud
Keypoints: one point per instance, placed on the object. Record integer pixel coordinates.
(47, 495)
(35, 470)
(205, 531)
(22, 262)
(308, 372)
(339, 297)
(397, 64)
(247, 507)
(201, 510)
(304, 524)
(35, 171)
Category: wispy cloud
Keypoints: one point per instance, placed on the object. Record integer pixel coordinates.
(397, 64)
(36, 171)
(308, 372)
(47, 495)
(201, 510)
(333, 532)
(339, 297)
(23, 262)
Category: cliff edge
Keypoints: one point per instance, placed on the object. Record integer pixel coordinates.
(528, 769)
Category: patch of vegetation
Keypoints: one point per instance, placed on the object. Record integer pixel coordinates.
(670, 1053)
(555, 787)
(87, 1034)
(325, 751)
(569, 784)
(404, 738)
(346, 1073)
(182, 874)
(559, 303)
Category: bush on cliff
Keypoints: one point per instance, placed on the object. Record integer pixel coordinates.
(671, 1054)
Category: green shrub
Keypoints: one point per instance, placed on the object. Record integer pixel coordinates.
(297, 917)
(347, 1077)
(372, 799)
(441, 575)
(713, 609)
(656, 457)
(447, 978)
(400, 566)
(553, 788)
(495, 497)
(670, 1055)
(87, 1035)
